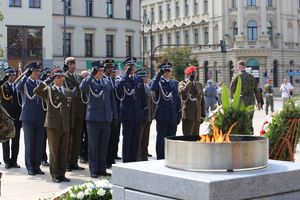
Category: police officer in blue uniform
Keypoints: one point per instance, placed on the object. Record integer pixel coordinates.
(9, 100)
(133, 108)
(100, 112)
(168, 106)
(32, 117)
(112, 153)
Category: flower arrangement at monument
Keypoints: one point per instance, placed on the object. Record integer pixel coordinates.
(233, 117)
(98, 190)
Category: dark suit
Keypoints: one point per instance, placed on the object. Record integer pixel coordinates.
(33, 118)
(9, 100)
(133, 108)
(57, 124)
(113, 145)
(100, 112)
(167, 112)
(72, 83)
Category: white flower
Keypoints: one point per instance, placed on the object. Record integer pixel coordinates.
(80, 195)
(101, 192)
(103, 184)
(72, 195)
(75, 187)
(89, 185)
(87, 192)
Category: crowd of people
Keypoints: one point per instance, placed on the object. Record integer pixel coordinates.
(81, 114)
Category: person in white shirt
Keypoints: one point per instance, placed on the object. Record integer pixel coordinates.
(286, 89)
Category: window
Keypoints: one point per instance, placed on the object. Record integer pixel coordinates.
(235, 30)
(145, 46)
(168, 11)
(251, 2)
(196, 7)
(269, 3)
(68, 44)
(233, 3)
(186, 36)
(14, 3)
(196, 36)
(89, 8)
(177, 38)
(160, 13)
(177, 9)
(24, 42)
(186, 8)
(68, 9)
(109, 8)
(169, 38)
(160, 39)
(34, 3)
(152, 42)
(128, 46)
(206, 36)
(88, 45)
(206, 6)
(128, 9)
(152, 14)
(270, 30)
(145, 16)
(252, 30)
(109, 45)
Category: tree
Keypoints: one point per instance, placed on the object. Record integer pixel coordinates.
(180, 58)
(1, 50)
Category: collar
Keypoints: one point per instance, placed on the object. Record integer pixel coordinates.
(71, 74)
(165, 80)
(57, 87)
(31, 79)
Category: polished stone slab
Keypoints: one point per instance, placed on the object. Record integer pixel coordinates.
(279, 180)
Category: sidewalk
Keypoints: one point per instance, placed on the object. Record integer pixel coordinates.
(16, 184)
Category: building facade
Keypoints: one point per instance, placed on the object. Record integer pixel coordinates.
(97, 29)
(264, 33)
(26, 31)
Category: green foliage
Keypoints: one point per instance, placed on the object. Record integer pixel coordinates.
(180, 58)
(280, 125)
(234, 111)
(1, 50)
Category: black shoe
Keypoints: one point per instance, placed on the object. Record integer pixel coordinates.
(77, 167)
(64, 179)
(31, 173)
(149, 155)
(108, 166)
(104, 174)
(7, 166)
(94, 176)
(45, 163)
(15, 165)
(56, 179)
(68, 168)
(118, 158)
(39, 171)
(83, 160)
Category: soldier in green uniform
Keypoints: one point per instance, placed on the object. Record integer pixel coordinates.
(57, 122)
(268, 92)
(249, 91)
(72, 82)
(192, 98)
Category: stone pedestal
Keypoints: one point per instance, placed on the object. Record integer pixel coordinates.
(153, 180)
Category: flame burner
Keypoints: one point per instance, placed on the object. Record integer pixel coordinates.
(242, 153)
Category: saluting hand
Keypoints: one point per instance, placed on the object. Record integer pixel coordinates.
(128, 70)
(5, 78)
(161, 72)
(192, 77)
(28, 73)
(94, 72)
(50, 79)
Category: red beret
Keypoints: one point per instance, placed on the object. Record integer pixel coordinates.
(190, 70)
(57, 71)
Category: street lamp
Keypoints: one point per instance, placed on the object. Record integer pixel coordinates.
(65, 27)
(143, 36)
(149, 22)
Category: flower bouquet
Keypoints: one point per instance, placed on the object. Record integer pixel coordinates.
(98, 190)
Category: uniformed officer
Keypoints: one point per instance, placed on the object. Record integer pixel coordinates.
(192, 98)
(143, 73)
(249, 91)
(168, 106)
(210, 94)
(112, 153)
(9, 100)
(268, 91)
(57, 123)
(32, 117)
(72, 81)
(101, 111)
(133, 107)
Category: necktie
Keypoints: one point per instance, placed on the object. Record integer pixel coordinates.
(60, 90)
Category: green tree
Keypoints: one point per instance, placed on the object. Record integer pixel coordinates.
(180, 58)
(1, 50)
